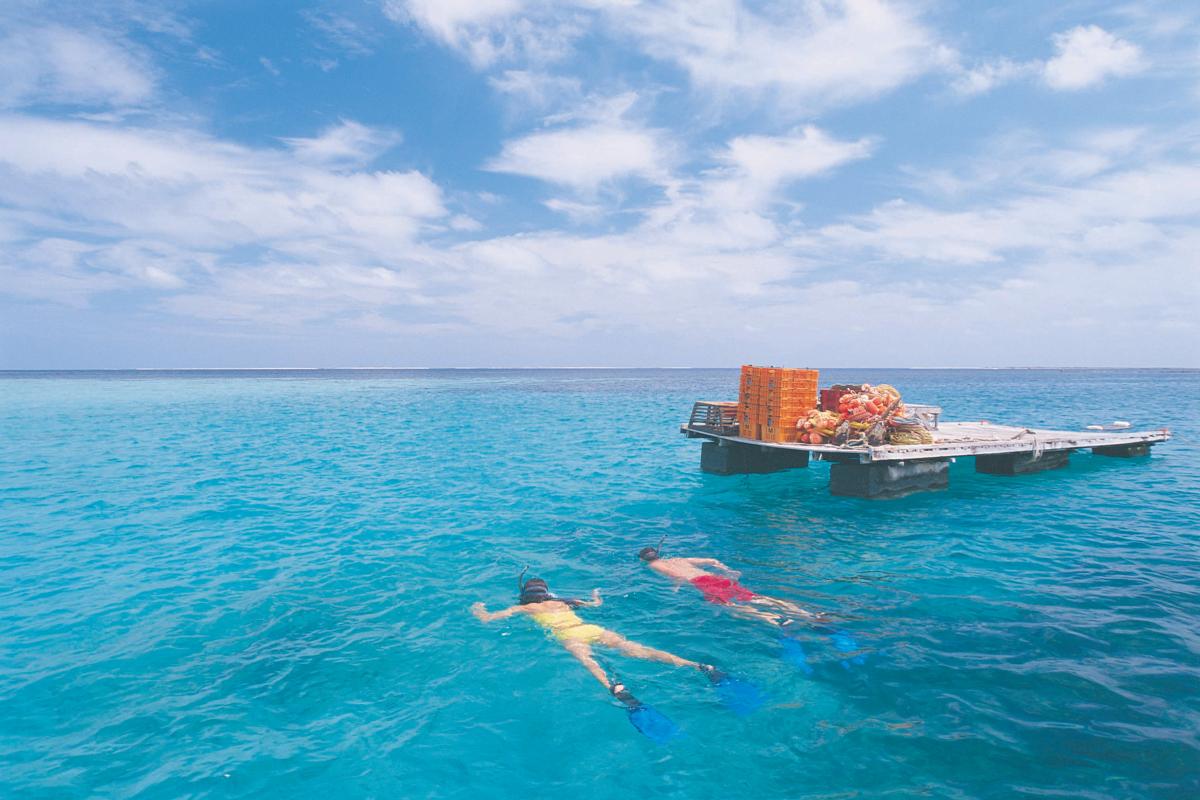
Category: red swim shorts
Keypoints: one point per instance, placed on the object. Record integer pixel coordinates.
(721, 590)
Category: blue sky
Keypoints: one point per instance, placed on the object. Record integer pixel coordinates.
(599, 183)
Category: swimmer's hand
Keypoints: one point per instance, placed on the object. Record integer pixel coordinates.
(712, 562)
(483, 615)
(596, 601)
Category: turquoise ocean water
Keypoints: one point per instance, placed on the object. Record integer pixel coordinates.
(256, 585)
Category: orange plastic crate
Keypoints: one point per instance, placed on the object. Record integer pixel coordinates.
(781, 434)
(776, 391)
(803, 404)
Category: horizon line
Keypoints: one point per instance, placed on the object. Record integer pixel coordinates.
(533, 368)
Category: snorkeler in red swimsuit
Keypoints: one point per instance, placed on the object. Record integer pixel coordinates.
(724, 590)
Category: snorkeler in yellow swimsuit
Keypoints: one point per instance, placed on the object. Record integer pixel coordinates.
(558, 617)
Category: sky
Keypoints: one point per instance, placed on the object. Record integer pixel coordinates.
(519, 183)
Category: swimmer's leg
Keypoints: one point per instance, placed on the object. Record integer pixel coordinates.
(783, 605)
(583, 652)
(648, 720)
(746, 612)
(742, 697)
(635, 650)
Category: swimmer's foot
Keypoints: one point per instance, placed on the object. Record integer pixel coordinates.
(713, 674)
(818, 622)
(624, 695)
(793, 627)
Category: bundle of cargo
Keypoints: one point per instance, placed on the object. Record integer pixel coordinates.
(869, 403)
(818, 427)
(864, 415)
(829, 397)
(908, 430)
(772, 401)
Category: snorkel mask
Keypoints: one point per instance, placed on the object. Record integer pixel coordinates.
(649, 554)
(534, 590)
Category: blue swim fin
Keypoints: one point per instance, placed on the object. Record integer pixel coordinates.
(653, 724)
(844, 642)
(739, 696)
(793, 653)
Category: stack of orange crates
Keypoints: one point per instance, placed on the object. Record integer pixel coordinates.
(771, 400)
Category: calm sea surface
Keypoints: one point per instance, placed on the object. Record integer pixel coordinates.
(256, 585)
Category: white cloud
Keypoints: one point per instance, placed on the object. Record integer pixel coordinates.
(488, 31)
(58, 65)
(449, 20)
(603, 148)
(728, 208)
(575, 210)
(1023, 158)
(615, 280)
(348, 142)
(1087, 55)
(70, 272)
(710, 232)
(584, 157)
(814, 53)
(756, 166)
(348, 36)
(988, 76)
(1124, 197)
(535, 90)
(95, 207)
(189, 185)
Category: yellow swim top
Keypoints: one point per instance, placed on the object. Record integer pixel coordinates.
(567, 627)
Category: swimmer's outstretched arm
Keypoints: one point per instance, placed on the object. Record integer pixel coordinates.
(712, 562)
(483, 615)
(595, 601)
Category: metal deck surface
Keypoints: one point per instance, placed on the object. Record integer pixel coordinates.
(953, 439)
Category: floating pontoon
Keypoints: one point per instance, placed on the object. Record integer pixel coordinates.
(894, 470)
